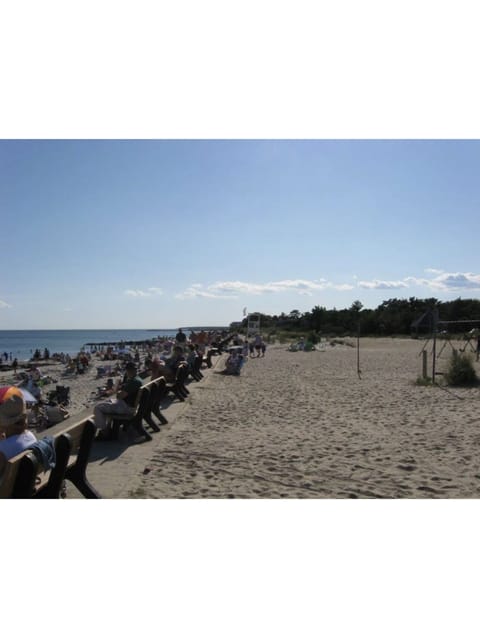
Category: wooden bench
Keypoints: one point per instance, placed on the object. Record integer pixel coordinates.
(158, 389)
(142, 405)
(158, 392)
(148, 402)
(178, 387)
(208, 358)
(26, 477)
(80, 437)
(195, 370)
(22, 471)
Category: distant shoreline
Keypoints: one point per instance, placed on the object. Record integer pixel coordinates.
(21, 344)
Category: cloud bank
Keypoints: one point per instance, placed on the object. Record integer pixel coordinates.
(441, 281)
(437, 281)
(234, 289)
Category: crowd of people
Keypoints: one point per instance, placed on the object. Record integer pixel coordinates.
(162, 357)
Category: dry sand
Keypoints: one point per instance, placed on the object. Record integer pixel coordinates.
(302, 425)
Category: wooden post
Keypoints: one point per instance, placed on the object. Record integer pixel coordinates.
(434, 352)
(424, 364)
(358, 349)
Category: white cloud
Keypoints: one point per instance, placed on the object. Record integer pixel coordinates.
(341, 287)
(381, 284)
(233, 289)
(196, 290)
(441, 282)
(249, 288)
(4, 304)
(445, 282)
(149, 292)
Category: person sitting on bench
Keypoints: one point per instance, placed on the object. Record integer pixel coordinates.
(14, 435)
(123, 405)
(171, 365)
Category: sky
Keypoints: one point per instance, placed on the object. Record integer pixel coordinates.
(169, 233)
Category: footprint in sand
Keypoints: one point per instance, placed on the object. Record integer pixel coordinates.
(427, 489)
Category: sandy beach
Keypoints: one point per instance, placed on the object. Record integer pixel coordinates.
(300, 425)
(303, 425)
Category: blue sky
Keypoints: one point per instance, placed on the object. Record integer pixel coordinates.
(118, 234)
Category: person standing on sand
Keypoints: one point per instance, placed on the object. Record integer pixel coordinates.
(181, 338)
(263, 347)
(15, 366)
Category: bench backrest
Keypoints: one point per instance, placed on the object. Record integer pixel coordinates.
(22, 471)
(76, 437)
(157, 389)
(143, 399)
(181, 374)
(7, 481)
(80, 438)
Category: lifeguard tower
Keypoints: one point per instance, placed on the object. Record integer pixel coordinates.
(253, 324)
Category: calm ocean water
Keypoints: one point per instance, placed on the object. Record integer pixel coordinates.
(23, 343)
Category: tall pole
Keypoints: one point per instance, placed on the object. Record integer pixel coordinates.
(434, 352)
(358, 348)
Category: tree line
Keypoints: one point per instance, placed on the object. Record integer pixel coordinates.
(391, 317)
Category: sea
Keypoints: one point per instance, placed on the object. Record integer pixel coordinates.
(21, 344)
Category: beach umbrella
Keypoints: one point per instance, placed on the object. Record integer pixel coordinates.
(28, 396)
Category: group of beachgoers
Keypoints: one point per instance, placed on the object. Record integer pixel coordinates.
(160, 357)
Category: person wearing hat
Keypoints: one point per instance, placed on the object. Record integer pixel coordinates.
(124, 403)
(14, 435)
